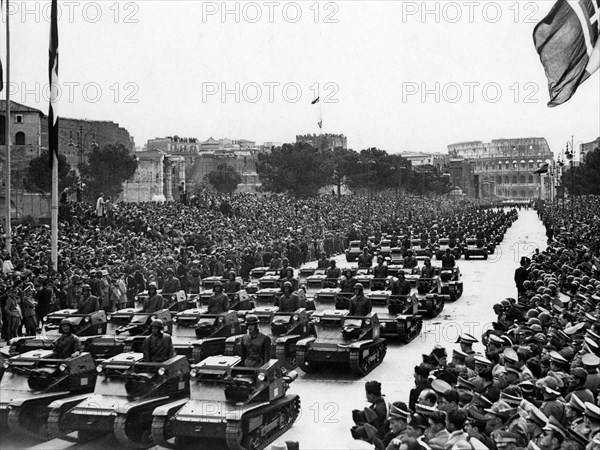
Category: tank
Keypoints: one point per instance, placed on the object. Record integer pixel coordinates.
(452, 284)
(34, 380)
(342, 340)
(240, 301)
(401, 320)
(127, 337)
(255, 274)
(284, 328)
(475, 247)
(210, 334)
(243, 408)
(86, 326)
(430, 296)
(175, 302)
(126, 392)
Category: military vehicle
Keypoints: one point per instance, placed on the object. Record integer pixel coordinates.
(342, 340)
(284, 328)
(452, 284)
(124, 339)
(396, 256)
(211, 332)
(445, 243)
(255, 274)
(304, 273)
(402, 320)
(385, 249)
(430, 296)
(475, 247)
(353, 252)
(175, 302)
(241, 407)
(35, 379)
(421, 249)
(126, 393)
(86, 326)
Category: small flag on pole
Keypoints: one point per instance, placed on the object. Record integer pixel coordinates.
(543, 169)
(315, 101)
(567, 42)
(53, 79)
(320, 123)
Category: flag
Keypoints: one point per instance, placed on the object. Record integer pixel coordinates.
(53, 79)
(320, 123)
(543, 169)
(567, 42)
(316, 100)
(1, 71)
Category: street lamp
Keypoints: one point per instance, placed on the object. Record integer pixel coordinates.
(81, 137)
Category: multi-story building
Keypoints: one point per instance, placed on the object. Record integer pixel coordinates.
(28, 129)
(78, 137)
(324, 141)
(588, 147)
(501, 169)
(242, 161)
(156, 179)
(186, 148)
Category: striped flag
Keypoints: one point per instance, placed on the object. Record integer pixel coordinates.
(1, 70)
(567, 42)
(543, 169)
(53, 79)
(315, 101)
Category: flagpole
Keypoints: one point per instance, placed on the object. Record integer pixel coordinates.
(7, 224)
(53, 132)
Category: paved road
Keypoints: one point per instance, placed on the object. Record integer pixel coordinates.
(328, 398)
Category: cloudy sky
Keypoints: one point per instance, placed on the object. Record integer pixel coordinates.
(402, 76)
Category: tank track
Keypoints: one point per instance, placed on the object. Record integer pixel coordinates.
(359, 365)
(307, 367)
(161, 431)
(35, 429)
(288, 361)
(287, 409)
(435, 307)
(56, 429)
(407, 337)
(120, 431)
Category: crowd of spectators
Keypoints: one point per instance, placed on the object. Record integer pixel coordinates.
(530, 382)
(118, 254)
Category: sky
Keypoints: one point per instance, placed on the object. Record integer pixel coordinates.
(400, 76)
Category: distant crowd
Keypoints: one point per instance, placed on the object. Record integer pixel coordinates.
(533, 381)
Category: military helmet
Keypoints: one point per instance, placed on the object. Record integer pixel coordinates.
(152, 285)
(359, 286)
(157, 323)
(251, 319)
(232, 272)
(85, 286)
(218, 284)
(287, 284)
(66, 322)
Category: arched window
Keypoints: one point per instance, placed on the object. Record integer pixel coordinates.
(522, 179)
(499, 179)
(522, 192)
(506, 179)
(531, 179)
(514, 179)
(20, 138)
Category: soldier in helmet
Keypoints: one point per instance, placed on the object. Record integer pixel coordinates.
(360, 305)
(232, 285)
(67, 344)
(88, 303)
(218, 302)
(256, 347)
(365, 259)
(171, 283)
(427, 271)
(289, 301)
(155, 301)
(410, 262)
(157, 347)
